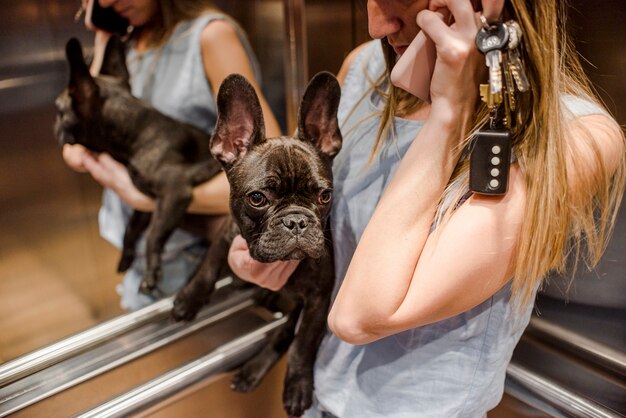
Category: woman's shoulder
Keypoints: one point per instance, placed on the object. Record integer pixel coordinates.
(367, 57)
(349, 60)
(595, 144)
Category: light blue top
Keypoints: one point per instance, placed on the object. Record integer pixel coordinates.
(452, 368)
(172, 79)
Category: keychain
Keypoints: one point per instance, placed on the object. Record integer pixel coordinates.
(490, 159)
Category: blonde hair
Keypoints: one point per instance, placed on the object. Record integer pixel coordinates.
(555, 225)
(170, 13)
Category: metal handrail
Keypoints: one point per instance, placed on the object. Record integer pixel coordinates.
(75, 344)
(555, 394)
(218, 361)
(577, 344)
(114, 353)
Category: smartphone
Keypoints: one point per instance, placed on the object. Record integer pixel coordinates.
(105, 18)
(414, 68)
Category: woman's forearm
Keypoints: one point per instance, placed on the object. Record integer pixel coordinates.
(381, 269)
(211, 197)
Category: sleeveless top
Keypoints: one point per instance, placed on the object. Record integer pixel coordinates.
(172, 79)
(451, 368)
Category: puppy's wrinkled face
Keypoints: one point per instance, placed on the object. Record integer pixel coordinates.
(80, 107)
(281, 188)
(281, 193)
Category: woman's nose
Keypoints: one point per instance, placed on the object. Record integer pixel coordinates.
(381, 19)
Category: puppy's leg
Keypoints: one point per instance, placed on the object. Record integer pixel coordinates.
(298, 390)
(170, 209)
(137, 223)
(197, 292)
(253, 371)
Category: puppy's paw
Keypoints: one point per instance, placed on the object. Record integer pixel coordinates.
(246, 379)
(184, 309)
(297, 396)
(125, 261)
(148, 287)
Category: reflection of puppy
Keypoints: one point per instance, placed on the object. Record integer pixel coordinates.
(165, 158)
(281, 190)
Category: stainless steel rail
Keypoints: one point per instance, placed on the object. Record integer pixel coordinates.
(68, 347)
(554, 394)
(579, 345)
(219, 361)
(111, 354)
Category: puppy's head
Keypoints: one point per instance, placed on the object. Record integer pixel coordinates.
(281, 188)
(80, 106)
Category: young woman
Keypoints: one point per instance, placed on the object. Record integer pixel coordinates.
(435, 285)
(180, 51)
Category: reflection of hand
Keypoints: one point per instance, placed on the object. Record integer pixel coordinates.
(74, 154)
(271, 276)
(459, 66)
(113, 175)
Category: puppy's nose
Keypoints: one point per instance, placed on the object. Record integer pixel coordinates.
(295, 223)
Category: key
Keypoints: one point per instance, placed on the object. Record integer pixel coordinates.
(515, 33)
(517, 71)
(491, 41)
(490, 161)
(490, 99)
(514, 62)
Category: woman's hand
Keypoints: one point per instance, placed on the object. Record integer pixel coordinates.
(113, 175)
(74, 156)
(271, 276)
(460, 67)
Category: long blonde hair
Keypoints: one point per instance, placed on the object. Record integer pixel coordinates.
(555, 226)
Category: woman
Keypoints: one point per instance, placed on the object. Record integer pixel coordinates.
(180, 51)
(436, 284)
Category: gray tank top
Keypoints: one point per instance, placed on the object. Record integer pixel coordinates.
(452, 368)
(172, 79)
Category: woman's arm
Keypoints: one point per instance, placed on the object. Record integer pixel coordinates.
(222, 54)
(401, 276)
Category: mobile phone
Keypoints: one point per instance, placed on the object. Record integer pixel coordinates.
(104, 18)
(414, 68)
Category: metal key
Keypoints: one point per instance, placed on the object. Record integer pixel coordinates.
(491, 40)
(517, 71)
(514, 61)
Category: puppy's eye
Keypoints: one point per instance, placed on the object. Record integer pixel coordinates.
(325, 197)
(257, 199)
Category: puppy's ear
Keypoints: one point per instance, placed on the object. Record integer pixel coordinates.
(114, 60)
(82, 88)
(317, 121)
(239, 120)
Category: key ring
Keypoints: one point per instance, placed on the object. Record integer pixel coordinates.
(484, 21)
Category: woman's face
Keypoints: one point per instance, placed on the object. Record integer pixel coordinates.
(395, 20)
(138, 12)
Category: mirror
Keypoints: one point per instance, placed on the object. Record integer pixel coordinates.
(57, 275)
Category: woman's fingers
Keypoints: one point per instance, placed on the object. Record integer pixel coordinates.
(492, 9)
(432, 24)
(461, 10)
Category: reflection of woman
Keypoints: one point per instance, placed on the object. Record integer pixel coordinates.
(429, 308)
(180, 51)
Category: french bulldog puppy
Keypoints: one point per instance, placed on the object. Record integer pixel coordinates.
(280, 198)
(165, 158)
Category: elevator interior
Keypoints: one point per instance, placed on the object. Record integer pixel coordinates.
(57, 276)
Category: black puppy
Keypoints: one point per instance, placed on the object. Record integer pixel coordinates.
(165, 158)
(280, 196)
